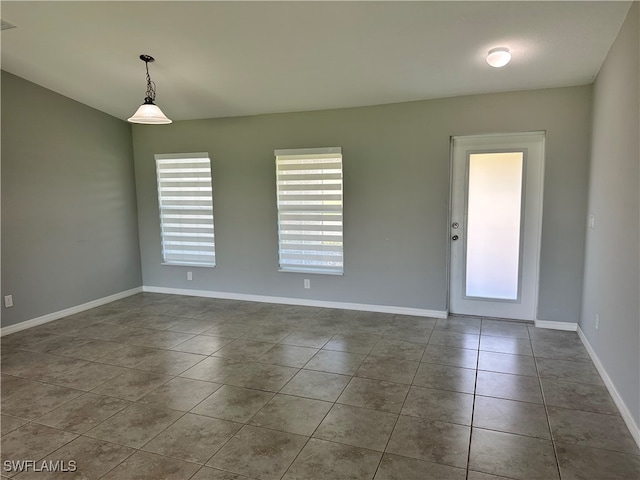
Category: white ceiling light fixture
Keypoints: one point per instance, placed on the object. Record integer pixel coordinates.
(498, 57)
(149, 112)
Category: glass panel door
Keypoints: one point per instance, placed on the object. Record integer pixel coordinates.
(494, 210)
(495, 223)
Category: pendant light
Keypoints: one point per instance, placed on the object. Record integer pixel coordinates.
(149, 112)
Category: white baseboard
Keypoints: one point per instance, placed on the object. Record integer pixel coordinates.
(34, 322)
(299, 301)
(624, 410)
(569, 327)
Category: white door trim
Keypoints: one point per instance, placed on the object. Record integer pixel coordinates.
(537, 218)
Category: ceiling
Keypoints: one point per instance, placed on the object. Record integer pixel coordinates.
(221, 59)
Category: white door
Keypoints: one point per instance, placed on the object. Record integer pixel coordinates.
(496, 210)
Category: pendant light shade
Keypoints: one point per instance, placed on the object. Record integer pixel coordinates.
(149, 113)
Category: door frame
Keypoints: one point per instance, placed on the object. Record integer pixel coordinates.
(539, 219)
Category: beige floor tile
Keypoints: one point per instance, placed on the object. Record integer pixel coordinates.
(388, 369)
(129, 356)
(291, 414)
(258, 452)
(9, 424)
(504, 454)
(511, 387)
(510, 416)
(39, 399)
(233, 403)
(83, 413)
(318, 385)
(577, 462)
(10, 385)
(307, 338)
(321, 459)
(203, 344)
(37, 366)
(157, 338)
(170, 363)
(193, 438)
(374, 394)
(209, 473)
(395, 467)
(33, 442)
(91, 459)
(358, 427)
(88, 376)
(445, 377)
(335, 362)
(135, 425)
(403, 350)
(148, 466)
(454, 357)
(442, 405)
(431, 440)
(92, 350)
(180, 394)
(132, 385)
(244, 350)
(288, 355)
(361, 344)
(507, 363)
(261, 376)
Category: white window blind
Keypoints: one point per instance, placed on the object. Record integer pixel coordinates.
(309, 186)
(185, 197)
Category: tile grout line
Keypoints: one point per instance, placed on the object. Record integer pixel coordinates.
(546, 409)
(473, 406)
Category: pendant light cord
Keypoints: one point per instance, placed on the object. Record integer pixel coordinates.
(151, 86)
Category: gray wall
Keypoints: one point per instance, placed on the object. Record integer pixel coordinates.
(69, 220)
(396, 169)
(612, 258)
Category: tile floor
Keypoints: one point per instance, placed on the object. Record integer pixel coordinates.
(167, 387)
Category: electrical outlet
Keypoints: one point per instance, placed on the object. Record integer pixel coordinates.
(189, 276)
(307, 283)
(597, 321)
(592, 220)
(8, 301)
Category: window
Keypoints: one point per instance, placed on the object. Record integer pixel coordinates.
(185, 198)
(309, 186)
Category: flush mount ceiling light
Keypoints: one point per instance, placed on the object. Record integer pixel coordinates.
(498, 57)
(149, 112)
